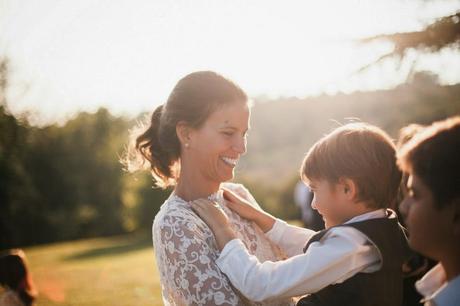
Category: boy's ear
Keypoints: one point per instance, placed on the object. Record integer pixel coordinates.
(349, 188)
(183, 131)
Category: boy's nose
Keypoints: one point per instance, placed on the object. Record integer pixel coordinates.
(313, 203)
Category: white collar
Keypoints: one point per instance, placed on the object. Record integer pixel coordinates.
(379, 213)
(433, 286)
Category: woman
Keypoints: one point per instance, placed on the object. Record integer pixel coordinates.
(15, 279)
(193, 143)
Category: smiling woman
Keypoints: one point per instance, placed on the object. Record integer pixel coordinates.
(193, 143)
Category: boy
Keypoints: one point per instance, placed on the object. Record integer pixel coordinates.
(432, 161)
(357, 259)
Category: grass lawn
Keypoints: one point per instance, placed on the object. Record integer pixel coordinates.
(104, 271)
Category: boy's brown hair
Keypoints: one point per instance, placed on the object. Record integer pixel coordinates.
(361, 152)
(434, 155)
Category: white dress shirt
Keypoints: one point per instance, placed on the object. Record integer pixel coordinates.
(436, 290)
(338, 255)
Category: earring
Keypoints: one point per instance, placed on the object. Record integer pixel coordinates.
(187, 145)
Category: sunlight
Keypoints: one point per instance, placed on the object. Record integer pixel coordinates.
(73, 56)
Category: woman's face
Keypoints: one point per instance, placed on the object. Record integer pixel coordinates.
(215, 148)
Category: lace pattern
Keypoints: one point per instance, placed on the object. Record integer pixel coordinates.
(186, 252)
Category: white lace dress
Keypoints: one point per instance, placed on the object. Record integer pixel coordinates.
(186, 251)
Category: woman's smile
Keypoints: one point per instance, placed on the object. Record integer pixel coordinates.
(229, 161)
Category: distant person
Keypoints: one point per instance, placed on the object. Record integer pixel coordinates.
(193, 144)
(310, 217)
(432, 161)
(16, 280)
(357, 260)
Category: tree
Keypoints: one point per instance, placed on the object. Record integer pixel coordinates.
(442, 33)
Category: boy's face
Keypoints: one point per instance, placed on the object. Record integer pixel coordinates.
(429, 227)
(327, 201)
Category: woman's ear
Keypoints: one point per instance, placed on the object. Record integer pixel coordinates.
(183, 131)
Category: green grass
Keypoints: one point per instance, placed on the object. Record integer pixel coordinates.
(104, 271)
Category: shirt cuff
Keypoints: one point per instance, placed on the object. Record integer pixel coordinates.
(276, 232)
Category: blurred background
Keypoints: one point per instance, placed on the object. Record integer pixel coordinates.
(75, 76)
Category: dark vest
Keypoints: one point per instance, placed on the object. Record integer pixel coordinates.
(380, 288)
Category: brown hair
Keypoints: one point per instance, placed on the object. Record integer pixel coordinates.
(434, 155)
(15, 275)
(192, 100)
(361, 152)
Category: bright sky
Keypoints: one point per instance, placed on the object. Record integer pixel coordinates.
(127, 55)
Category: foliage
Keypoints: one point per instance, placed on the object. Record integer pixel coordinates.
(66, 182)
(443, 32)
(283, 130)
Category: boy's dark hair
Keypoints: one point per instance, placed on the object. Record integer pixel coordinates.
(361, 152)
(434, 156)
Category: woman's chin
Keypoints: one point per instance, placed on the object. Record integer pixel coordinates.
(227, 176)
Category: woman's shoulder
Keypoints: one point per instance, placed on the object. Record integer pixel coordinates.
(176, 221)
(174, 212)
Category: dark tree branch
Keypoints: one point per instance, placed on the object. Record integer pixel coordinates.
(444, 32)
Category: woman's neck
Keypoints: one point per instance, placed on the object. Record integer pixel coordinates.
(191, 186)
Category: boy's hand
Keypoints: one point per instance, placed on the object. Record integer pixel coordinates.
(244, 208)
(241, 206)
(213, 215)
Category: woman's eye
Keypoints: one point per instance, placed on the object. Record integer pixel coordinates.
(228, 133)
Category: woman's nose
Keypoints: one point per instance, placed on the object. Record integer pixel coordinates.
(240, 145)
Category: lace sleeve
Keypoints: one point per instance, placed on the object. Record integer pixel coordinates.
(189, 255)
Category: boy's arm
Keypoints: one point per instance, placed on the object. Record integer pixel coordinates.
(289, 237)
(337, 257)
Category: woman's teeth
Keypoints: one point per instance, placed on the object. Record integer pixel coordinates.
(230, 161)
